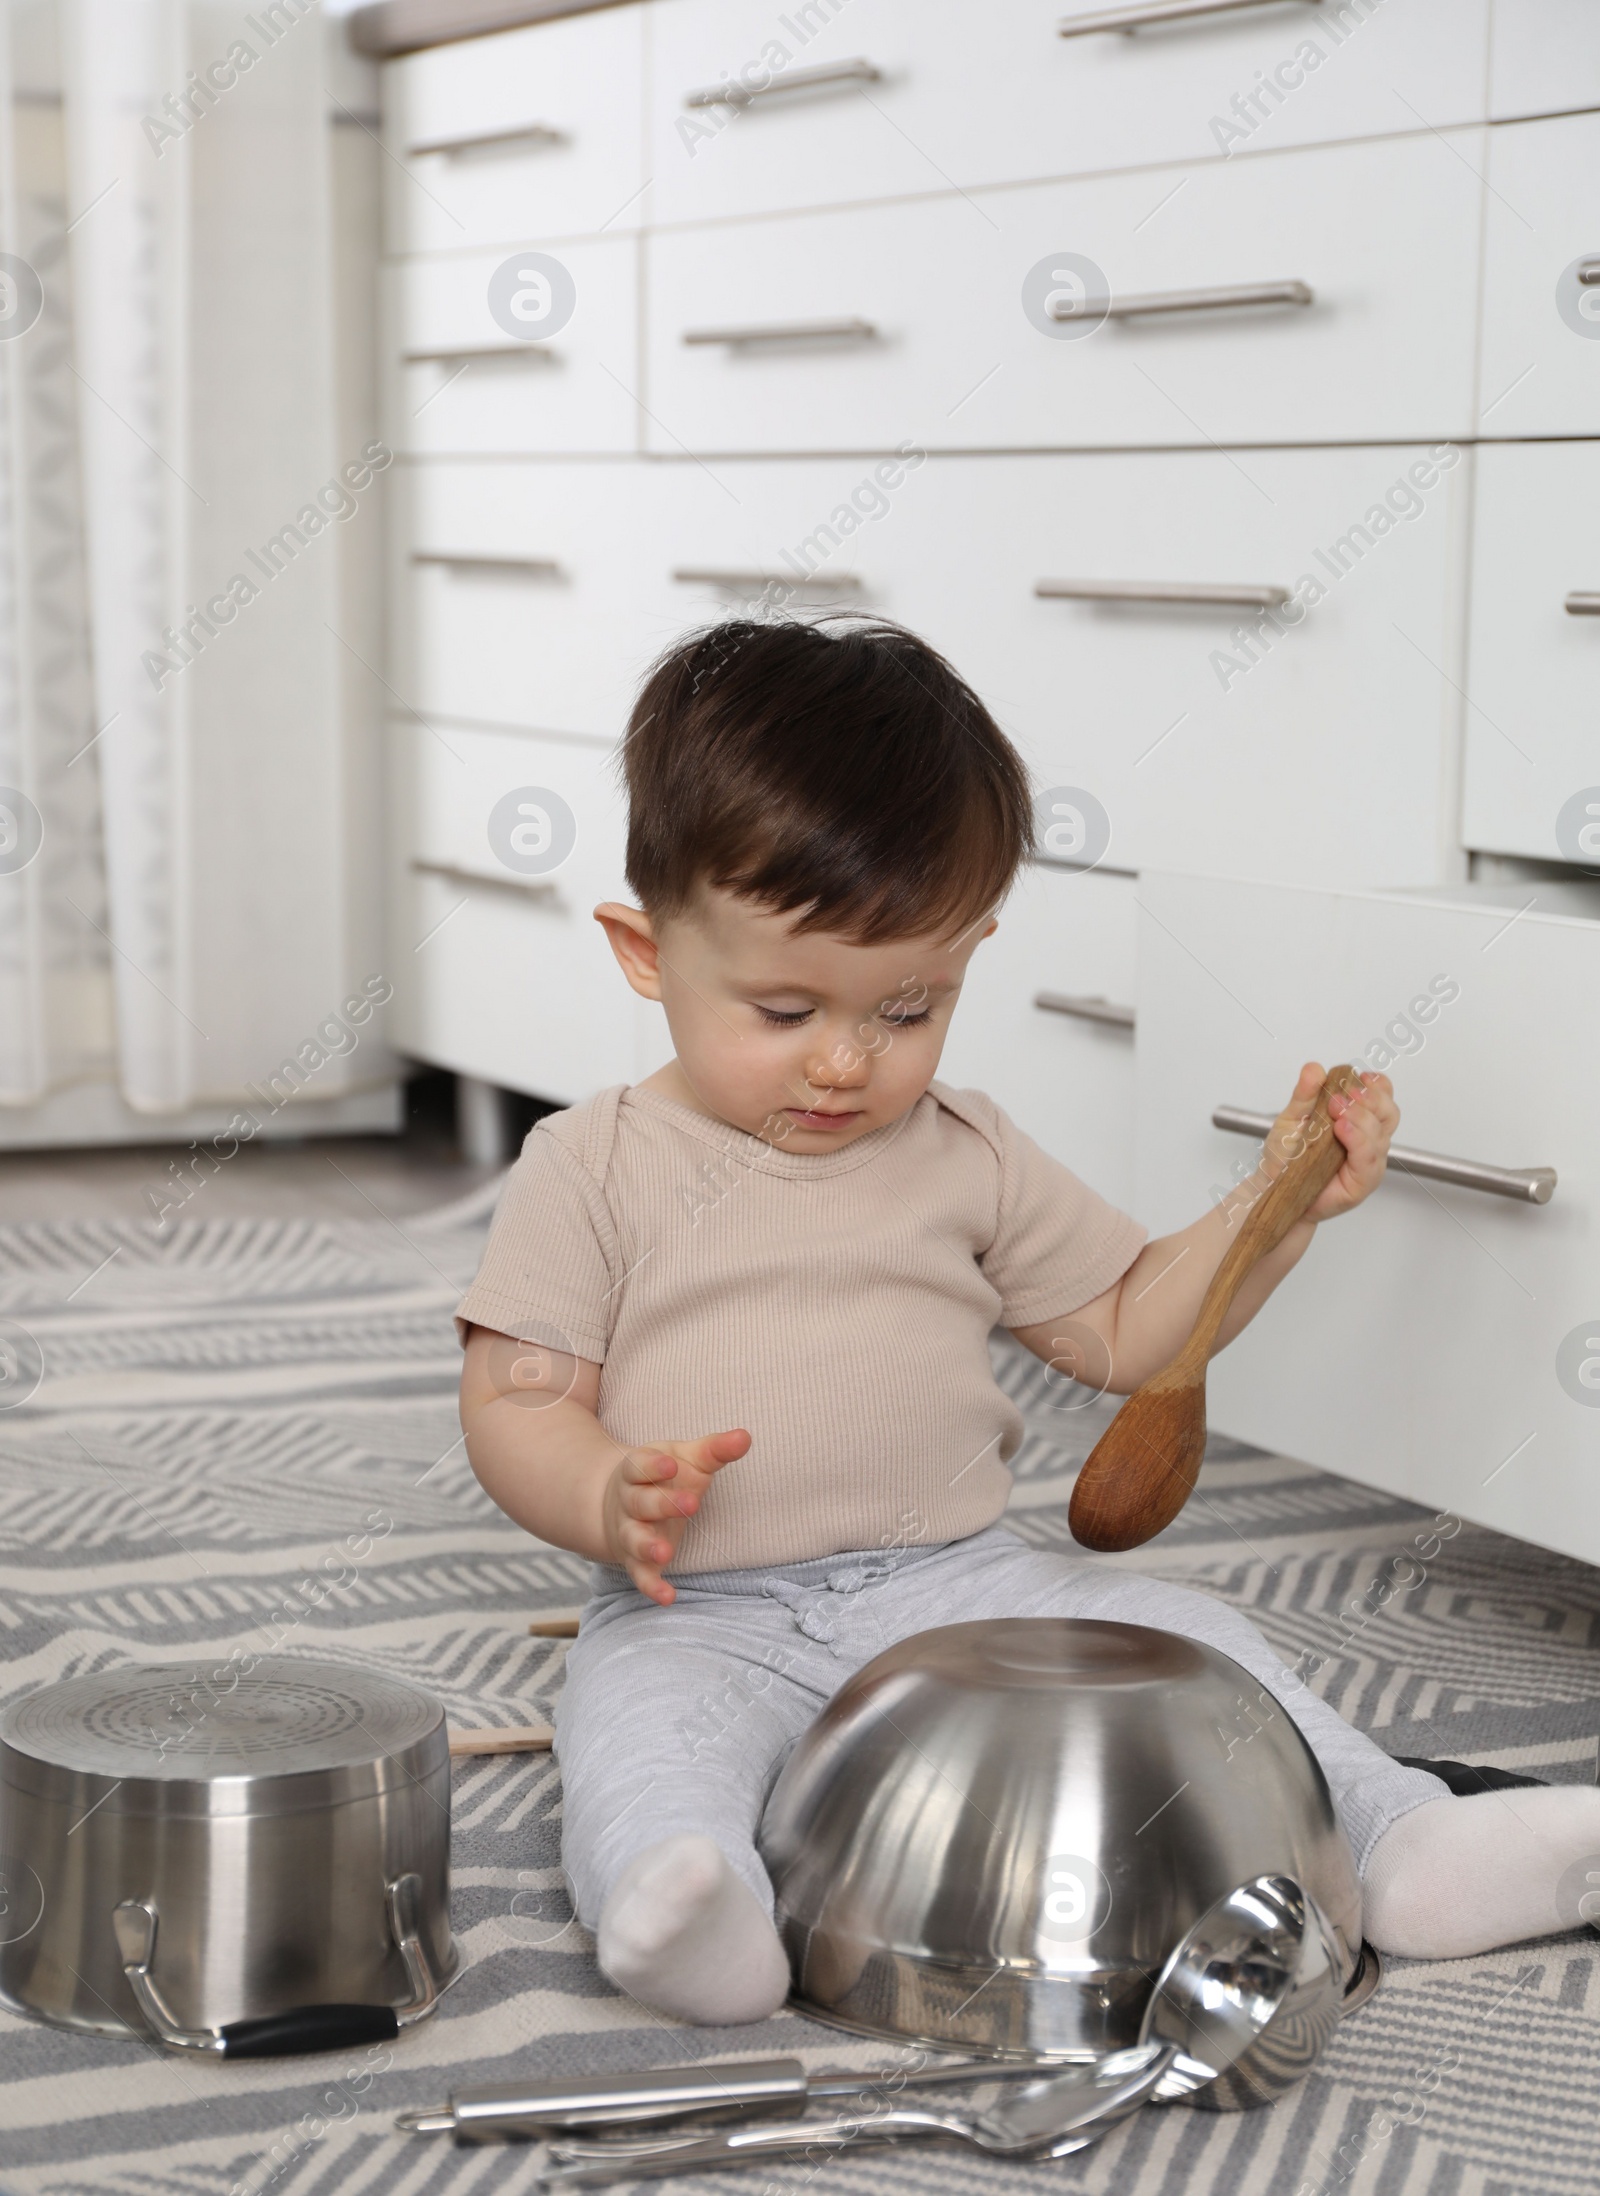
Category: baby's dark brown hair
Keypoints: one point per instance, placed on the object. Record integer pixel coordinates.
(838, 769)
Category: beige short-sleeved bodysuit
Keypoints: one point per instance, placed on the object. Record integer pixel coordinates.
(837, 1305)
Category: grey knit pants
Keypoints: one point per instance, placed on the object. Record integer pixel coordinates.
(679, 1719)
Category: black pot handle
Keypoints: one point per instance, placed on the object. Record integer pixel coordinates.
(308, 2028)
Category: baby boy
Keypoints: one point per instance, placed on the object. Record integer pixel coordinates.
(758, 1289)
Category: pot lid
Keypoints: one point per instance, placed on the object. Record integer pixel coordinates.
(348, 1730)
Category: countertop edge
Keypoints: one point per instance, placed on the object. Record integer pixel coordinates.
(387, 28)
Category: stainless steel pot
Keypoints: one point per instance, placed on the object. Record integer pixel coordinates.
(241, 1862)
(995, 1833)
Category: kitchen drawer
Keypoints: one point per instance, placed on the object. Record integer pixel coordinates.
(1534, 667)
(531, 133)
(907, 322)
(1540, 366)
(459, 383)
(1323, 752)
(1430, 1343)
(521, 587)
(455, 780)
(501, 974)
(892, 97)
(1544, 57)
(522, 992)
(1065, 1077)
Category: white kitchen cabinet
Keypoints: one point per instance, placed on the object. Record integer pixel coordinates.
(1540, 368)
(520, 589)
(1544, 57)
(891, 98)
(536, 132)
(1064, 1072)
(460, 777)
(1431, 1343)
(460, 382)
(500, 973)
(867, 328)
(1322, 751)
(1532, 772)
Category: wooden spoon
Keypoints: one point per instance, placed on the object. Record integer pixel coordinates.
(1143, 1468)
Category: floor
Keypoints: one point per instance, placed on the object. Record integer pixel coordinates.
(244, 1438)
(331, 1177)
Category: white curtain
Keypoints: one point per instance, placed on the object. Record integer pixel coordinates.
(55, 1006)
(231, 510)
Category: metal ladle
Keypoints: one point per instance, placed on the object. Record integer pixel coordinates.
(1219, 1988)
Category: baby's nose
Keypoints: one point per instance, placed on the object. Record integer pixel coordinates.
(841, 1066)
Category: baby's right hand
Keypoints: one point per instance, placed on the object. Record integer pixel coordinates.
(651, 1496)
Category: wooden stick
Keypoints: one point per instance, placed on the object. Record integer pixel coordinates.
(565, 1627)
(512, 1738)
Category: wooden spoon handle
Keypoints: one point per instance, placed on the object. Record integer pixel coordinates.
(1315, 1156)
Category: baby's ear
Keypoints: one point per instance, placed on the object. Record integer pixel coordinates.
(634, 944)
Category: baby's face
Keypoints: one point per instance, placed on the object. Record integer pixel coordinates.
(808, 1041)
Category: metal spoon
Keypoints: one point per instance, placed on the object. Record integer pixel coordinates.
(1218, 1990)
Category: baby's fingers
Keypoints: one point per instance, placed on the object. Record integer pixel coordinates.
(643, 1542)
(649, 1581)
(715, 1450)
(647, 1491)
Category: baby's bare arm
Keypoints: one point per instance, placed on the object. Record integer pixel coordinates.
(1142, 1321)
(543, 1456)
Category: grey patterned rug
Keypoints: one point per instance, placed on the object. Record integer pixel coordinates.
(222, 1405)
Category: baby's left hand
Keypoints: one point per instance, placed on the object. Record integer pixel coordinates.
(1364, 1123)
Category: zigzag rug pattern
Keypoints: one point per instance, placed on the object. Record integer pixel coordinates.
(223, 1402)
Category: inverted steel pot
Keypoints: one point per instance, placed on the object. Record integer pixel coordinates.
(995, 1833)
(234, 1861)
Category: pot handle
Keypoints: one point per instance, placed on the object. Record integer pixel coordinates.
(304, 2028)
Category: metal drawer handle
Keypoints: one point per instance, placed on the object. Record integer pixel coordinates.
(792, 80)
(306, 2028)
(522, 133)
(1087, 1009)
(480, 879)
(1201, 591)
(797, 331)
(447, 354)
(754, 583)
(469, 560)
(1529, 1185)
(1583, 606)
(1185, 301)
(1153, 11)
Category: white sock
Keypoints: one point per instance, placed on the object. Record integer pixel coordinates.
(1461, 1876)
(681, 1933)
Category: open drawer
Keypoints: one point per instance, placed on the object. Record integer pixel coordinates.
(1442, 1342)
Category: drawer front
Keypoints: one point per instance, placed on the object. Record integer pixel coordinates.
(1540, 365)
(1430, 1343)
(503, 972)
(458, 783)
(459, 382)
(1065, 1078)
(532, 133)
(893, 97)
(1204, 734)
(520, 588)
(521, 992)
(1532, 781)
(911, 319)
(1544, 57)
